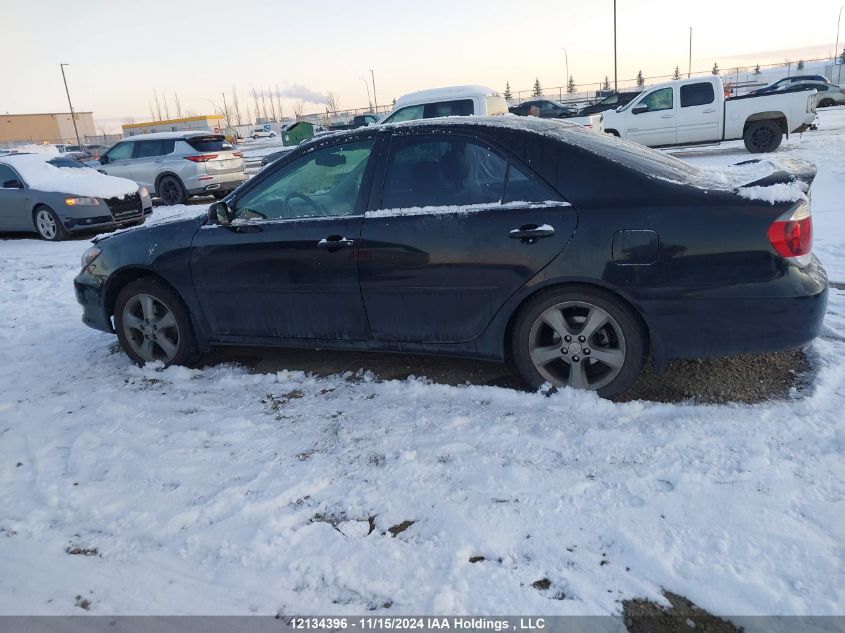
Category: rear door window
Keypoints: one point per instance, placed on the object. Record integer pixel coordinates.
(211, 143)
(459, 107)
(524, 187)
(435, 171)
(697, 94)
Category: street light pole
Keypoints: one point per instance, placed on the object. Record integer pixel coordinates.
(689, 68)
(375, 98)
(615, 74)
(369, 99)
(566, 57)
(70, 105)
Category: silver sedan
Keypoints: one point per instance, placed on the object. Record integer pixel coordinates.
(55, 196)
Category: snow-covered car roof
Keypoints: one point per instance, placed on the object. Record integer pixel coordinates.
(41, 174)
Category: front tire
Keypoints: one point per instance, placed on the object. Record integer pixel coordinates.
(579, 337)
(762, 137)
(48, 225)
(153, 324)
(171, 191)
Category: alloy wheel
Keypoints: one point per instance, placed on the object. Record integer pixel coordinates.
(170, 192)
(45, 224)
(577, 344)
(150, 328)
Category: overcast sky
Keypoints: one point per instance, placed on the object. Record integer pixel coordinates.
(120, 52)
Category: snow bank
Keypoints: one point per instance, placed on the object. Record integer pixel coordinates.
(39, 174)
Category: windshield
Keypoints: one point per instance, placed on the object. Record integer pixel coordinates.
(65, 162)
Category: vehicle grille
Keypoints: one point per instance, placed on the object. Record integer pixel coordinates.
(125, 207)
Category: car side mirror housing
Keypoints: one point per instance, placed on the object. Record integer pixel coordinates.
(640, 109)
(220, 213)
(104, 160)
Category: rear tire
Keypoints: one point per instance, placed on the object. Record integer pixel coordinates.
(825, 103)
(171, 191)
(153, 324)
(606, 349)
(762, 137)
(47, 224)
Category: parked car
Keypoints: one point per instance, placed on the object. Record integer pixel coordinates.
(791, 81)
(55, 196)
(460, 101)
(274, 156)
(177, 165)
(489, 237)
(443, 102)
(544, 108)
(610, 102)
(359, 120)
(827, 94)
(694, 111)
(261, 132)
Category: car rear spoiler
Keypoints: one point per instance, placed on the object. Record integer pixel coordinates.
(785, 171)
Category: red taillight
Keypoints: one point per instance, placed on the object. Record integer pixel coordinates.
(842, 91)
(202, 158)
(791, 234)
(238, 154)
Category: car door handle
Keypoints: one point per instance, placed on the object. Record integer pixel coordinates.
(531, 232)
(710, 111)
(335, 241)
(666, 116)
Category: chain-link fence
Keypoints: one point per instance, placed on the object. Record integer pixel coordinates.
(96, 139)
(742, 79)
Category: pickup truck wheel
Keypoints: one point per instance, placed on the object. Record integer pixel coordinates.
(762, 137)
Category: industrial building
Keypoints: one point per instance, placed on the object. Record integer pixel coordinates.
(209, 123)
(51, 127)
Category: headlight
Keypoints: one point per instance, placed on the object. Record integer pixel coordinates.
(90, 255)
(143, 192)
(77, 200)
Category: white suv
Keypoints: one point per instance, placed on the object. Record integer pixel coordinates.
(176, 165)
(261, 132)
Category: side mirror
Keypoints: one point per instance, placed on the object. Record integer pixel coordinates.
(640, 109)
(220, 213)
(104, 159)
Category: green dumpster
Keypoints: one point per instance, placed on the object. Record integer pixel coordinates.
(297, 132)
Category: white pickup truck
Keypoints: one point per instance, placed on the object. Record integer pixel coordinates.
(695, 111)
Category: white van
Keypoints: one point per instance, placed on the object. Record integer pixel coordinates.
(451, 101)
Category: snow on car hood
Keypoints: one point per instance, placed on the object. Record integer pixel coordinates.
(39, 174)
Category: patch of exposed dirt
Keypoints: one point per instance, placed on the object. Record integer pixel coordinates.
(644, 616)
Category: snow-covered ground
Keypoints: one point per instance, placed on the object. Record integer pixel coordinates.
(223, 491)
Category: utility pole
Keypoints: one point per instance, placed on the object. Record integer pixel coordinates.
(375, 98)
(689, 68)
(70, 105)
(615, 74)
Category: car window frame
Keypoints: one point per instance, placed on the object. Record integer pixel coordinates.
(364, 191)
(380, 178)
(19, 178)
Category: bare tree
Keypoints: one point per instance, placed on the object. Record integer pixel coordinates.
(158, 106)
(152, 111)
(279, 101)
(333, 102)
(272, 105)
(178, 105)
(298, 106)
(236, 106)
(166, 109)
(257, 107)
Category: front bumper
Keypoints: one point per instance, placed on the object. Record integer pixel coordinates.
(95, 219)
(90, 294)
